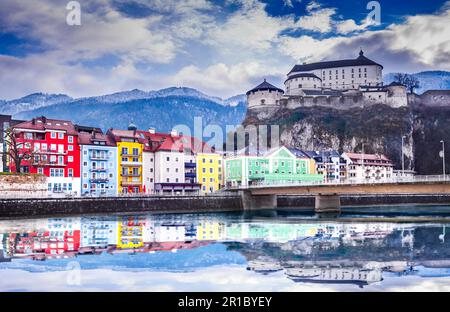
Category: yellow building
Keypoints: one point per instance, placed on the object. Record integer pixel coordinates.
(210, 231)
(129, 162)
(209, 172)
(130, 233)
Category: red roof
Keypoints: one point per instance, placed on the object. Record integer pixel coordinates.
(85, 138)
(154, 142)
(45, 124)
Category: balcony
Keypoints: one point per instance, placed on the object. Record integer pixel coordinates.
(190, 165)
(98, 156)
(98, 169)
(51, 152)
(130, 183)
(130, 155)
(49, 164)
(191, 175)
(98, 180)
(130, 175)
(131, 163)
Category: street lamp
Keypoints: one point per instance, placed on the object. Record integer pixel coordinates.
(403, 156)
(443, 158)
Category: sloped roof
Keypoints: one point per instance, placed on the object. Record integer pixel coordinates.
(366, 157)
(85, 138)
(361, 60)
(298, 153)
(305, 75)
(264, 86)
(166, 142)
(44, 124)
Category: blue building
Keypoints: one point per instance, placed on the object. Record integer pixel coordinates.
(98, 162)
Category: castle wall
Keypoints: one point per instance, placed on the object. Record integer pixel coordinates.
(296, 86)
(264, 98)
(435, 98)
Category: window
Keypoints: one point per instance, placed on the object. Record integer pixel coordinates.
(135, 151)
(70, 148)
(70, 173)
(211, 170)
(70, 159)
(124, 151)
(168, 180)
(167, 169)
(167, 158)
(60, 135)
(41, 170)
(53, 135)
(70, 139)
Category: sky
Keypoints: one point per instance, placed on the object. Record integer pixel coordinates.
(221, 48)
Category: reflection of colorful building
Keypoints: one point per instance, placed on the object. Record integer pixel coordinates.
(98, 232)
(130, 232)
(210, 231)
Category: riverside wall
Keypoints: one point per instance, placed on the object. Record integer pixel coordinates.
(43, 207)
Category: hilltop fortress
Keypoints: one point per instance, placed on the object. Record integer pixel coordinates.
(341, 84)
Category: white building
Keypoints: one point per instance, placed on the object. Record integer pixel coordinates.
(368, 167)
(337, 75)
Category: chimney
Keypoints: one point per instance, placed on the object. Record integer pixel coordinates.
(173, 133)
(33, 121)
(152, 130)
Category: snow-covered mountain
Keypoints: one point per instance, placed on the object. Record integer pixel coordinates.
(429, 80)
(32, 101)
(162, 109)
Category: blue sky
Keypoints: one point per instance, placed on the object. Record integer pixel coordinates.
(222, 48)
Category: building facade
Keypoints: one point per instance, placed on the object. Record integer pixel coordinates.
(368, 167)
(129, 160)
(209, 172)
(55, 153)
(330, 164)
(277, 166)
(98, 163)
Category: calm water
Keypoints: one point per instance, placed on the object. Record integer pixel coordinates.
(228, 252)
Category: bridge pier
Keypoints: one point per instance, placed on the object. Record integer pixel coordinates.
(258, 202)
(326, 203)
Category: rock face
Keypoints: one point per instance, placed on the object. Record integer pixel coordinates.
(379, 127)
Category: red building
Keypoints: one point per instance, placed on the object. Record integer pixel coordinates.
(55, 152)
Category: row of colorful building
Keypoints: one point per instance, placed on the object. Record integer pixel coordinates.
(81, 160)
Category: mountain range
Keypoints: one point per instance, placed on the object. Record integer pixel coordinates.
(162, 109)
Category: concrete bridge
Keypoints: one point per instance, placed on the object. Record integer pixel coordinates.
(327, 195)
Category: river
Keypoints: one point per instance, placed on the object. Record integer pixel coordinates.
(385, 249)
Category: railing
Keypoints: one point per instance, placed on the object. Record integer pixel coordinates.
(350, 181)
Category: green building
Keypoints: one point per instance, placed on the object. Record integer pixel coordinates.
(280, 165)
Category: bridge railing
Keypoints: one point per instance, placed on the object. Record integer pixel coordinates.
(350, 181)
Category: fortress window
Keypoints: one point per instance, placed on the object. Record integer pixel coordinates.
(336, 71)
(359, 75)
(365, 70)
(353, 70)
(359, 69)
(343, 77)
(300, 86)
(353, 76)
(263, 102)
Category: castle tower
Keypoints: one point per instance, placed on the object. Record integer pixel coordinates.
(263, 95)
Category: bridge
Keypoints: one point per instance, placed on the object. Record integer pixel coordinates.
(327, 195)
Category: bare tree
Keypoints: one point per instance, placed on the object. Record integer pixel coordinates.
(16, 151)
(409, 81)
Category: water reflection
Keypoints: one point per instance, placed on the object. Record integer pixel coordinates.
(305, 252)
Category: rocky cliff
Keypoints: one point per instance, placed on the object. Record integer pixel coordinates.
(379, 127)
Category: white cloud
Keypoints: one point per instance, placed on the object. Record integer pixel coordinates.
(319, 20)
(221, 79)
